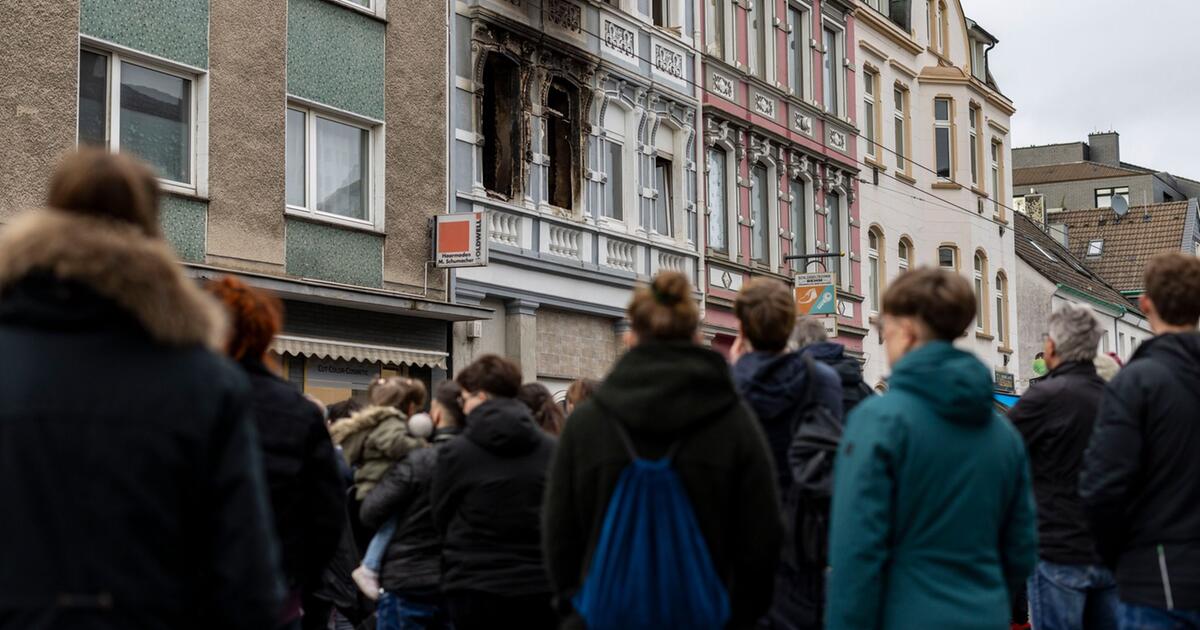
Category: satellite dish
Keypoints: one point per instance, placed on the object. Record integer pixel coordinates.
(1120, 206)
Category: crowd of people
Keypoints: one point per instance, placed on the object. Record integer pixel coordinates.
(159, 473)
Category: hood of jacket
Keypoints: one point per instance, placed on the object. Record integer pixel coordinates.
(363, 421)
(770, 382)
(119, 263)
(834, 355)
(503, 426)
(664, 387)
(1180, 350)
(954, 383)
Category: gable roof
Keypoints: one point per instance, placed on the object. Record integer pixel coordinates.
(1036, 248)
(1069, 172)
(1128, 243)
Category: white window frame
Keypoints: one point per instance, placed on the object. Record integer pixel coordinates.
(980, 271)
(809, 219)
(677, 215)
(798, 44)
(903, 262)
(954, 250)
(948, 125)
(729, 220)
(1001, 294)
(198, 140)
(996, 155)
(375, 166)
(874, 269)
(900, 116)
(871, 116)
(770, 214)
(1095, 248)
(721, 37)
(375, 8)
(733, 209)
(1112, 192)
(973, 115)
(839, 66)
(843, 244)
(630, 210)
(766, 34)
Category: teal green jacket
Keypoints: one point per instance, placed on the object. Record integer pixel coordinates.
(933, 518)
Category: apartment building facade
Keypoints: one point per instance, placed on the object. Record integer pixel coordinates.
(780, 153)
(301, 146)
(935, 149)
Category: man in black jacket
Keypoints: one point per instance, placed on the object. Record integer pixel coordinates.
(809, 337)
(1141, 477)
(487, 498)
(129, 474)
(1055, 418)
(412, 564)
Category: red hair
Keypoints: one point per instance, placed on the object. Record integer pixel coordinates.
(256, 317)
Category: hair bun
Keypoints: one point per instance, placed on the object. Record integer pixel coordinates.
(670, 288)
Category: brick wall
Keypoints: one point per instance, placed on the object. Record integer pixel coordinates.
(572, 345)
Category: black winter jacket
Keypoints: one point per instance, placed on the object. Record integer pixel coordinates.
(1141, 476)
(849, 370)
(129, 470)
(487, 498)
(1055, 417)
(413, 560)
(306, 489)
(663, 393)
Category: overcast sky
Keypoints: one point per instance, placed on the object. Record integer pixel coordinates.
(1073, 67)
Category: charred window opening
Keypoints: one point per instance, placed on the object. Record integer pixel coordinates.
(561, 116)
(501, 124)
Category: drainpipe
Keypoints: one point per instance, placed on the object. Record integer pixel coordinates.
(701, 188)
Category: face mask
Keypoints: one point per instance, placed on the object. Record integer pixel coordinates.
(1039, 367)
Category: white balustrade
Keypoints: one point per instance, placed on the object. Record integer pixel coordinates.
(565, 242)
(671, 262)
(504, 229)
(621, 255)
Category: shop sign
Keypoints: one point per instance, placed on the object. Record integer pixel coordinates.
(1005, 382)
(816, 294)
(354, 375)
(460, 240)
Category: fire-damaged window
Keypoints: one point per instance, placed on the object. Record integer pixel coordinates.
(562, 125)
(501, 127)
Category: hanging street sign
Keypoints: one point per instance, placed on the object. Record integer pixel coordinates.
(816, 294)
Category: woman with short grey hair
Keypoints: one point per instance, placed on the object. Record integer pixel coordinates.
(1055, 418)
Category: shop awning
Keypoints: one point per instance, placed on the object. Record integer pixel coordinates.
(349, 351)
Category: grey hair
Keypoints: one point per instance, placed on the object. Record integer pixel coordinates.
(1075, 332)
(808, 330)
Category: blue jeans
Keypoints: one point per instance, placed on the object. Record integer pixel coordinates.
(412, 610)
(1072, 597)
(1134, 617)
(379, 542)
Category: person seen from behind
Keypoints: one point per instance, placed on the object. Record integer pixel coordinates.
(782, 388)
(411, 571)
(669, 410)
(486, 496)
(373, 440)
(546, 413)
(131, 480)
(579, 391)
(1141, 472)
(1070, 589)
(298, 458)
(933, 516)
(810, 337)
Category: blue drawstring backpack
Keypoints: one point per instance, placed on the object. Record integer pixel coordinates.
(651, 568)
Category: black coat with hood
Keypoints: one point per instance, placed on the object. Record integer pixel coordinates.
(1141, 474)
(305, 485)
(129, 469)
(849, 370)
(413, 559)
(775, 386)
(663, 393)
(487, 497)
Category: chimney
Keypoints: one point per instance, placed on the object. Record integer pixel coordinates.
(1105, 148)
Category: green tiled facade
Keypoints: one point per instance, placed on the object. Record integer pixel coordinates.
(336, 56)
(173, 29)
(334, 254)
(184, 222)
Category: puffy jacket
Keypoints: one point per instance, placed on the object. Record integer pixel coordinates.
(372, 440)
(848, 369)
(1141, 474)
(305, 486)
(1055, 417)
(413, 559)
(933, 521)
(663, 393)
(487, 497)
(775, 385)
(129, 469)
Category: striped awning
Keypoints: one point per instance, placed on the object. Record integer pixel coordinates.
(349, 351)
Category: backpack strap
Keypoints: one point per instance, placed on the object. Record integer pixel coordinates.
(627, 441)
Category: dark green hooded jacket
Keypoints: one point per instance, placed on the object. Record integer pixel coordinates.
(933, 516)
(663, 393)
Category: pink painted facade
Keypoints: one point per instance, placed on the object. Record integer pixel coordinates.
(757, 114)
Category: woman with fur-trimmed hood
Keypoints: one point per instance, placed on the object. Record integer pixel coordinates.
(129, 471)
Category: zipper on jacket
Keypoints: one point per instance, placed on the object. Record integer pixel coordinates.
(1166, 578)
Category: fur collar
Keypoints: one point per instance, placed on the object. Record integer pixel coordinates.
(365, 420)
(119, 262)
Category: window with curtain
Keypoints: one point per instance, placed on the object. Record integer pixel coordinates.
(943, 141)
(833, 231)
(830, 66)
(759, 207)
(799, 223)
(718, 216)
(900, 120)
